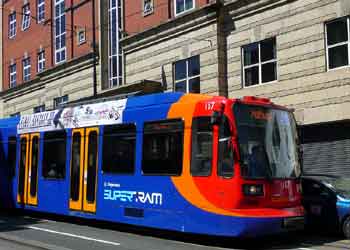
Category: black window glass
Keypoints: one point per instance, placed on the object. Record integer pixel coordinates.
(119, 142)
(338, 56)
(54, 155)
(251, 76)
(22, 166)
(268, 71)
(268, 50)
(11, 157)
(194, 85)
(180, 86)
(251, 54)
(92, 166)
(337, 32)
(34, 167)
(202, 146)
(163, 147)
(75, 167)
(180, 70)
(193, 66)
(225, 159)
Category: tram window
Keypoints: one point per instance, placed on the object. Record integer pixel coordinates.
(202, 146)
(163, 147)
(54, 162)
(22, 165)
(34, 169)
(11, 156)
(225, 159)
(75, 168)
(119, 142)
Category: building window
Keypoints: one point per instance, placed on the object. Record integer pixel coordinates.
(39, 109)
(13, 75)
(338, 42)
(25, 17)
(183, 5)
(41, 61)
(163, 147)
(40, 11)
(148, 7)
(187, 75)
(60, 31)
(58, 101)
(12, 25)
(119, 148)
(81, 36)
(115, 53)
(259, 62)
(26, 69)
(15, 114)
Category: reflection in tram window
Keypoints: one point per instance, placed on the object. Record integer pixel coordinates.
(119, 149)
(54, 162)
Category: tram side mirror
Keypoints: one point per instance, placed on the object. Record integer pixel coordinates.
(216, 118)
(218, 111)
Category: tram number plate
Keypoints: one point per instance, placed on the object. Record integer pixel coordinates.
(315, 209)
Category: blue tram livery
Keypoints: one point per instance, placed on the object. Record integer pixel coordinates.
(182, 162)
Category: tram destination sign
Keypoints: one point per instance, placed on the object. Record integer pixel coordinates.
(73, 117)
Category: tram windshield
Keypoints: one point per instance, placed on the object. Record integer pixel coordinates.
(267, 142)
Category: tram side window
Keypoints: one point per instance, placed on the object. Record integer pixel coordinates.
(202, 146)
(54, 162)
(11, 157)
(225, 159)
(163, 147)
(119, 142)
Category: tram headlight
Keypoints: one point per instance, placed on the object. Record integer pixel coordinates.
(253, 189)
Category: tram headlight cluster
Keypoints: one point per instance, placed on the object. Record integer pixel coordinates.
(253, 189)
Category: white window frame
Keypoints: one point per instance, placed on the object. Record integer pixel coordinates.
(79, 40)
(26, 69)
(41, 61)
(187, 78)
(175, 7)
(40, 11)
(117, 55)
(59, 101)
(26, 17)
(338, 44)
(13, 75)
(147, 12)
(259, 64)
(12, 25)
(39, 109)
(60, 36)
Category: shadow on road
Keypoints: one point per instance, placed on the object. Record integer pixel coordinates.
(14, 220)
(303, 239)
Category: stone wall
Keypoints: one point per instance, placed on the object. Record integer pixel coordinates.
(75, 81)
(303, 82)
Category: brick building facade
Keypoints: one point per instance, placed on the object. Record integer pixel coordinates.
(47, 53)
(295, 52)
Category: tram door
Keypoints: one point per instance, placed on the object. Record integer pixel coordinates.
(28, 169)
(83, 169)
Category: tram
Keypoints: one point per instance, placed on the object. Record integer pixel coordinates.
(185, 162)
